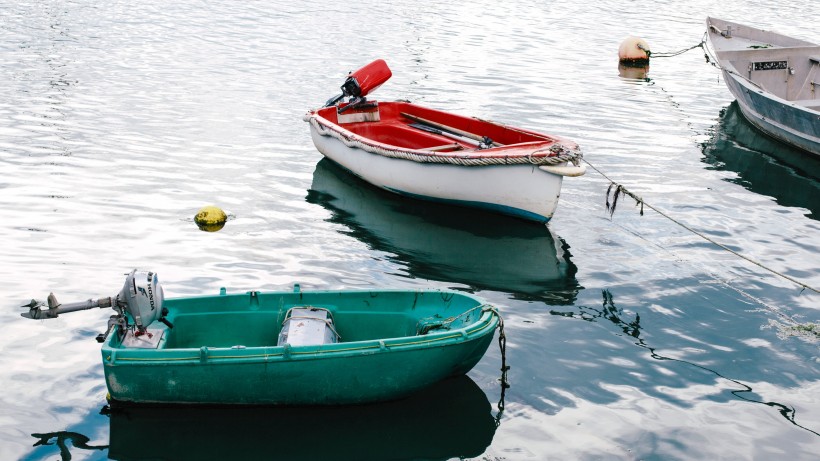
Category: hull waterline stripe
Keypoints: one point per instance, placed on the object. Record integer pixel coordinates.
(503, 209)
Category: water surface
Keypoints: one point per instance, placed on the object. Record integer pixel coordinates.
(629, 337)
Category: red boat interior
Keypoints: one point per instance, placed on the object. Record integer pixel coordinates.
(409, 126)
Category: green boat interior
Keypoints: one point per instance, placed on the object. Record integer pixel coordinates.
(256, 319)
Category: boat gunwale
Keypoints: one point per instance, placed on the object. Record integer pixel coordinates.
(112, 356)
(527, 150)
(712, 30)
(487, 321)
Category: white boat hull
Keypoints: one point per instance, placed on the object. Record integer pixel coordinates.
(522, 190)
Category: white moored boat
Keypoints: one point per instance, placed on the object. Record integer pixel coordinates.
(434, 155)
(775, 79)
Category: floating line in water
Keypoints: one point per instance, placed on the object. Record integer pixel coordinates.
(619, 189)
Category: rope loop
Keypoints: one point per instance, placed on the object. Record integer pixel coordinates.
(428, 324)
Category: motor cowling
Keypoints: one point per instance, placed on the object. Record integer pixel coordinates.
(143, 298)
(367, 79)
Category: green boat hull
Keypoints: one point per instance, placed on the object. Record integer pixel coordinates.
(223, 349)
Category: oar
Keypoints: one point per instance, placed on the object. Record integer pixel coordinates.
(450, 129)
(433, 130)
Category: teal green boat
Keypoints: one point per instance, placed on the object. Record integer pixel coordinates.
(283, 348)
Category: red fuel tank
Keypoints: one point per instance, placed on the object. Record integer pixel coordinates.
(365, 80)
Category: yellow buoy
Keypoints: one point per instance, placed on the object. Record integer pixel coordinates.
(210, 218)
(634, 50)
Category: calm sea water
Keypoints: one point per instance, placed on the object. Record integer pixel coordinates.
(629, 337)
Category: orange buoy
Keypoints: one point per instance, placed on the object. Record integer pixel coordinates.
(634, 50)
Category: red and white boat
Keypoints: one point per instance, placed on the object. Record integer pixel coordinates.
(434, 155)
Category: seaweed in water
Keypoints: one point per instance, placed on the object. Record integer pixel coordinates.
(619, 190)
(807, 331)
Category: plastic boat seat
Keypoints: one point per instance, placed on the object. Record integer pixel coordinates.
(307, 326)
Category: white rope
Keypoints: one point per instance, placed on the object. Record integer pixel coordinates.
(554, 155)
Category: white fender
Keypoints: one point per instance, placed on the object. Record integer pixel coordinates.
(569, 170)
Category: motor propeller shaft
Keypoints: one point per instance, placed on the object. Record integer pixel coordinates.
(55, 308)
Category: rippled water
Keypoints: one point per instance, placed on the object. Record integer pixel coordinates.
(629, 337)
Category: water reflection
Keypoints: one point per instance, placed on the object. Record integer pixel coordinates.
(78, 441)
(630, 324)
(763, 165)
(633, 71)
(452, 419)
(447, 243)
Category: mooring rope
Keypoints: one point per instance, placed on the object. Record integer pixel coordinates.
(712, 60)
(702, 44)
(502, 346)
(620, 189)
(428, 324)
(424, 328)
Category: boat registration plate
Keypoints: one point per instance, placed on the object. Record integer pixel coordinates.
(771, 65)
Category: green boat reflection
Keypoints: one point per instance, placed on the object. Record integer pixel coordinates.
(450, 244)
(452, 419)
(763, 165)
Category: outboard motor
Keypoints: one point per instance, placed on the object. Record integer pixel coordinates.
(361, 83)
(138, 305)
(143, 297)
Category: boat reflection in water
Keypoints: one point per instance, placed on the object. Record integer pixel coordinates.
(452, 419)
(449, 243)
(763, 165)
